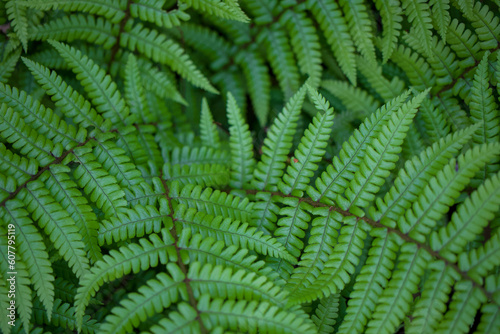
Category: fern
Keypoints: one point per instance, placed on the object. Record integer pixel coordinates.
(345, 180)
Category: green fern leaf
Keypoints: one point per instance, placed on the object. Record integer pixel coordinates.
(391, 21)
(208, 130)
(310, 150)
(332, 22)
(113, 10)
(17, 15)
(7, 65)
(326, 314)
(480, 261)
(487, 26)
(134, 91)
(159, 48)
(242, 161)
(20, 168)
(99, 185)
(70, 102)
(224, 9)
(246, 316)
(153, 297)
(441, 16)
(32, 250)
(151, 11)
(134, 257)
(380, 158)
(182, 321)
(419, 15)
(277, 144)
(99, 86)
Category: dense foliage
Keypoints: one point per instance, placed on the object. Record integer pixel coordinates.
(262, 166)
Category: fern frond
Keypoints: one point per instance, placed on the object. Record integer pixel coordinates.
(57, 224)
(26, 140)
(16, 166)
(78, 27)
(242, 161)
(281, 58)
(429, 309)
(305, 44)
(159, 48)
(208, 175)
(310, 150)
(390, 11)
(17, 15)
(360, 27)
(41, 119)
(490, 320)
(412, 178)
(419, 15)
(208, 130)
(99, 86)
(442, 190)
(394, 301)
(353, 98)
(7, 65)
(197, 155)
(326, 314)
(132, 223)
(466, 300)
(380, 158)
(323, 237)
(182, 321)
(69, 101)
(153, 297)
(134, 257)
(224, 9)
(248, 316)
(134, 91)
(373, 277)
(337, 176)
(277, 144)
(417, 69)
(151, 11)
(464, 43)
(113, 10)
(32, 250)
(339, 267)
(65, 192)
(258, 82)
(233, 232)
(334, 26)
(212, 202)
(385, 88)
(441, 16)
(487, 26)
(265, 212)
(98, 184)
(479, 261)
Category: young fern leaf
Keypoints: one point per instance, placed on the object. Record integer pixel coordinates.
(441, 16)
(32, 250)
(182, 321)
(380, 158)
(470, 219)
(480, 261)
(277, 144)
(208, 129)
(151, 11)
(310, 150)
(7, 65)
(242, 161)
(134, 257)
(70, 102)
(99, 86)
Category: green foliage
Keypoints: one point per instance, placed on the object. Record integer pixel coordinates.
(260, 166)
